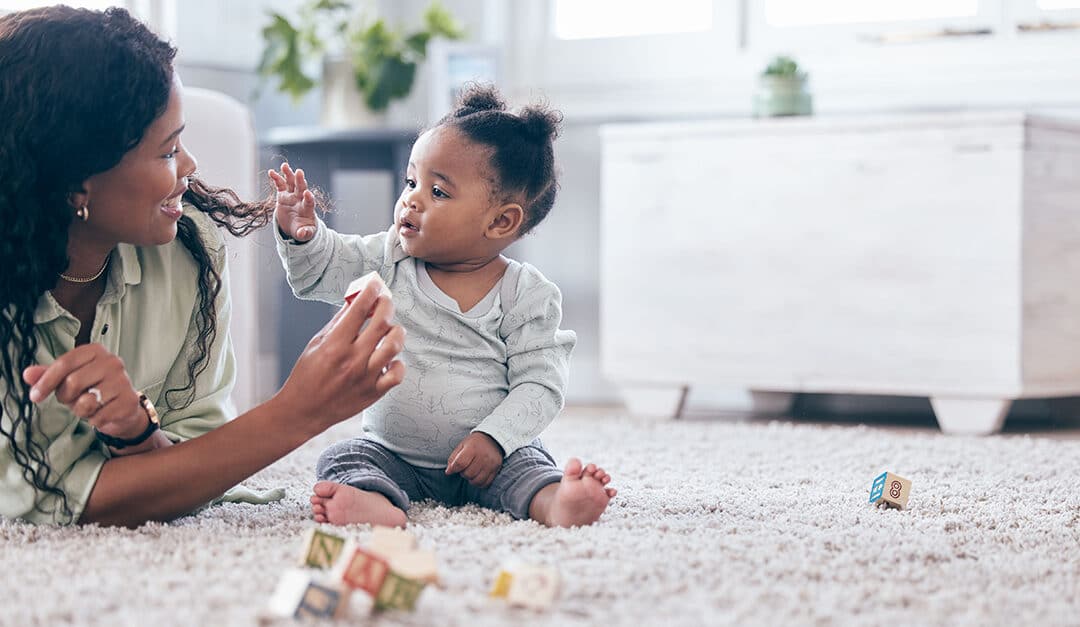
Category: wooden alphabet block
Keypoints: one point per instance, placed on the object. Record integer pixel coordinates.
(358, 286)
(416, 565)
(389, 541)
(534, 586)
(893, 490)
(361, 569)
(398, 593)
(320, 549)
(300, 594)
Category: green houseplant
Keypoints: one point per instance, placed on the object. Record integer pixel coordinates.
(782, 90)
(381, 59)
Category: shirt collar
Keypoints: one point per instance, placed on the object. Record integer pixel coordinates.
(126, 270)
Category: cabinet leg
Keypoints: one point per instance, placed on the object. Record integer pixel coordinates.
(771, 403)
(970, 416)
(654, 401)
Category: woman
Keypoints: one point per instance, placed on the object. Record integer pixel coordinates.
(114, 302)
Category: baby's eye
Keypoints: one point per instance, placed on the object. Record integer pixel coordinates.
(438, 193)
(410, 183)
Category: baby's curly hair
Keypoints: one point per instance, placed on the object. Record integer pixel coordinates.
(522, 143)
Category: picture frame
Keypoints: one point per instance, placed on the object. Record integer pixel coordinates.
(453, 64)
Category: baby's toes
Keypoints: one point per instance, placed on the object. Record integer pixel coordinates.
(319, 518)
(611, 492)
(590, 469)
(318, 509)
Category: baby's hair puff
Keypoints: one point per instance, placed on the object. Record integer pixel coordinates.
(523, 155)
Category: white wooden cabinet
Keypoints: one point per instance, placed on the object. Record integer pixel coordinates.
(935, 255)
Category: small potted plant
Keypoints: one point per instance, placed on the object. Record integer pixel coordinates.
(782, 90)
(366, 63)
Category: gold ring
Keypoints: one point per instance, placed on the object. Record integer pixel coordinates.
(97, 395)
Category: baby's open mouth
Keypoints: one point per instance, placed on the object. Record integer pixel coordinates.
(409, 225)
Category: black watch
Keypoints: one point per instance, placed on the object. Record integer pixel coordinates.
(119, 443)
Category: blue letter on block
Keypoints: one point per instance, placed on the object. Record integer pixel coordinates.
(878, 488)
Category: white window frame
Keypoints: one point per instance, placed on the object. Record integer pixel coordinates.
(655, 13)
(1028, 12)
(611, 67)
(613, 79)
(762, 35)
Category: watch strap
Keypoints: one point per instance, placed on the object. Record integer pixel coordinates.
(154, 424)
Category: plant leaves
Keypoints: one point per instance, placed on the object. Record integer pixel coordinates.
(390, 79)
(440, 23)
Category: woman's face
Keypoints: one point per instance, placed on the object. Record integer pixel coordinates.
(137, 201)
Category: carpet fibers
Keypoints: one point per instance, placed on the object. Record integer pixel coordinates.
(716, 523)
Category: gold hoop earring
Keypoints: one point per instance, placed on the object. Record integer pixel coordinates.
(83, 212)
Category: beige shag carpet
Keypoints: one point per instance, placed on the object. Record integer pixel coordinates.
(718, 522)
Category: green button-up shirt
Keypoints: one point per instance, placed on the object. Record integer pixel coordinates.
(147, 317)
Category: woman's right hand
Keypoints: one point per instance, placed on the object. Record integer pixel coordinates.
(343, 370)
(294, 208)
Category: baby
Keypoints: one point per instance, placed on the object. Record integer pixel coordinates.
(486, 362)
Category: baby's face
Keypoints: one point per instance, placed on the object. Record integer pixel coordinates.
(446, 204)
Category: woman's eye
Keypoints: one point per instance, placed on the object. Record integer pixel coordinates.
(172, 153)
(438, 193)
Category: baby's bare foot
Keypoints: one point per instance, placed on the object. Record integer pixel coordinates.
(581, 495)
(340, 504)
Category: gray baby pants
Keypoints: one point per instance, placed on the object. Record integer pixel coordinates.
(371, 466)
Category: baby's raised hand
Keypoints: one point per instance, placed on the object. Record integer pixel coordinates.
(295, 208)
(478, 458)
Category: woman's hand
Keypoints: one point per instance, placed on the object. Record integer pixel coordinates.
(93, 383)
(343, 370)
(295, 208)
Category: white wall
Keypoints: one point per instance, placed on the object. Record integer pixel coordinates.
(600, 81)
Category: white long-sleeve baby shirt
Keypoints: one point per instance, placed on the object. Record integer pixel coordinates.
(500, 368)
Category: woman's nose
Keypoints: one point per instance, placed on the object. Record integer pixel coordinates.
(188, 163)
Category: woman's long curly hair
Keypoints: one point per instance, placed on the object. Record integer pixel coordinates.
(78, 89)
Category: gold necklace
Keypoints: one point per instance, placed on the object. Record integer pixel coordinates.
(75, 279)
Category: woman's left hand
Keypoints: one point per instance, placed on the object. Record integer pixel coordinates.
(75, 377)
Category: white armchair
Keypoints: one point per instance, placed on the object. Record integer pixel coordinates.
(221, 135)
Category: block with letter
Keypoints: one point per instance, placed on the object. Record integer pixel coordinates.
(302, 594)
(398, 593)
(389, 541)
(534, 586)
(526, 585)
(361, 568)
(890, 489)
(358, 286)
(320, 549)
(417, 565)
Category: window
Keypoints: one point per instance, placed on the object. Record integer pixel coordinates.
(592, 54)
(788, 13)
(1041, 16)
(791, 24)
(592, 19)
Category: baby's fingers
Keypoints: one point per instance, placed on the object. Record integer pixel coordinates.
(278, 180)
(301, 181)
(289, 176)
